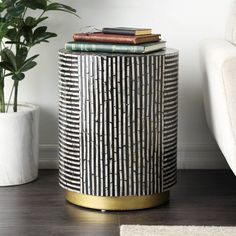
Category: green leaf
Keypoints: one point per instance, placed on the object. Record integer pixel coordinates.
(27, 66)
(3, 30)
(60, 7)
(3, 19)
(27, 32)
(6, 66)
(18, 77)
(21, 55)
(2, 6)
(32, 58)
(9, 3)
(16, 10)
(40, 35)
(46, 36)
(39, 32)
(35, 4)
(11, 34)
(8, 56)
(16, 22)
(41, 19)
(16, 42)
(32, 22)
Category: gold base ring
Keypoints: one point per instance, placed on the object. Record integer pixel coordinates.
(117, 203)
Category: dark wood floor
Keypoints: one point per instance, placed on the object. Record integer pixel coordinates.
(39, 208)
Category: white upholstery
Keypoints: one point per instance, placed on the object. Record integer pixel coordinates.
(219, 64)
(231, 25)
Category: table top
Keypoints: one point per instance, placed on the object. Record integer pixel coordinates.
(164, 52)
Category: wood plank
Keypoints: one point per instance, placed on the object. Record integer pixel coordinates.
(201, 197)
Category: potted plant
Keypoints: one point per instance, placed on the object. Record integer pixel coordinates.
(20, 30)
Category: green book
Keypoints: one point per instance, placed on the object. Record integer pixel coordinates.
(115, 48)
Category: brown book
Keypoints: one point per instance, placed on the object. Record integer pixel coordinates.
(116, 38)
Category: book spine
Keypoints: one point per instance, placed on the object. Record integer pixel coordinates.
(99, 39)
(118, 31)
(83, 47)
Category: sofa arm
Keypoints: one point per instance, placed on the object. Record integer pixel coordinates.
(216, 51)
(218, 60)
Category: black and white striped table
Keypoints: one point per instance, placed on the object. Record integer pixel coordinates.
(118, 128)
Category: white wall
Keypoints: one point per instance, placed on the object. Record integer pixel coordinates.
(183, 23)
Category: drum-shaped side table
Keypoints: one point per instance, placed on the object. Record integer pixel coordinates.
(118, 128)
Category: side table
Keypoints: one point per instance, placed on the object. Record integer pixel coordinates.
(118, 128)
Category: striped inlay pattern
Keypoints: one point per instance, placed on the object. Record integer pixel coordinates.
(118, 122)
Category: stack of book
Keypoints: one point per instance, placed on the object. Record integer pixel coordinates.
(117, 40)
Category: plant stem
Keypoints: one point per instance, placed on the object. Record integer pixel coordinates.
(16, 83)
(41, 15)
(8, 104)
(23, 15)
(2, 97)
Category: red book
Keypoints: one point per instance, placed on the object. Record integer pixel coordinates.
(116, 38)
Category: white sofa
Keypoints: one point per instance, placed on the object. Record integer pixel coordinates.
(218, 59)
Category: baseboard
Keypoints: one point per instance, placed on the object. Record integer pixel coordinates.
(190, 156)
(48, 156)
(200, 156)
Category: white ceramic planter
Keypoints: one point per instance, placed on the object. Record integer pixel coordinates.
(19, 145)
